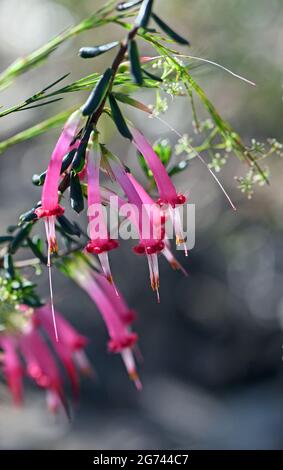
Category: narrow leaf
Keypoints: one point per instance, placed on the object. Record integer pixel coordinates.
(39, 105)
(91, 52)
(5, 239)
(77, 199)
(132, 102)
(153, 77)
(55, 83)
(20, 237)
(171, 33)
(9, 266)
(79, 159)
(98, 94)
(69, 227)
(67, 160)
(135, 63)
(28, 216)
(119, 118)
(38, 180)
(127, 5)
(34, 245)
(144, 14)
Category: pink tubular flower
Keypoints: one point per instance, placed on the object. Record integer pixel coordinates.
(159, 217)
(12, 367)
(151, 237)
(50, 207)
(71, 343)
(113, 313)
(40, 365)
(100, 243)
(126, 315)
(167, 191)
(25, 352)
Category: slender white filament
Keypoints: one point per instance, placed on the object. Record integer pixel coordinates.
(201, 159)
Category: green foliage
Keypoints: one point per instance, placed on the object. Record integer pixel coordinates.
(170, 75)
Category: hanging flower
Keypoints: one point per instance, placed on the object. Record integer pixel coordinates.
(159, 218)
(167, 191)
(50, 207)
(24, 351)
(126, 315)
(113, 309)
(151, 235)
(100, 243)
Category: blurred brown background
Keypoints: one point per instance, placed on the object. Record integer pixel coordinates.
(212, 369)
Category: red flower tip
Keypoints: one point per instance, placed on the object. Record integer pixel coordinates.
(150, 249)
(56, 212)
(101, 246)
(129, 317)
(117, 345)
(80, 342)
(180, 199)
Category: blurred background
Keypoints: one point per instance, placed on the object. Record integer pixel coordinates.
(212, 371)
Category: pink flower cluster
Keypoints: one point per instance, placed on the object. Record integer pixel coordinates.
(98, 283)
(27, 353)
(101, 244)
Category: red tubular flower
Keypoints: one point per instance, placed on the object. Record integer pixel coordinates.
(71, 342)
(40, 365)
(121, 339)
(50, 207)
(37, 358)
(151, 237)
(159, 218)
(12, 367)
(126, 315)
(167, 191)
(100, 243)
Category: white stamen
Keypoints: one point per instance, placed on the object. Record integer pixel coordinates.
(173, 261)
(129, 362)
(154, 273)
(177, 224)
(212, 63)
(48, 230)
(104, 261)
